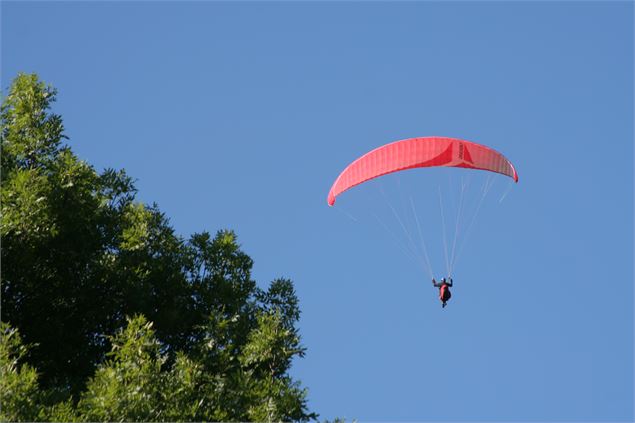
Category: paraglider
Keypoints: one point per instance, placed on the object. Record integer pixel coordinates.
(424, 152)
(444, 290)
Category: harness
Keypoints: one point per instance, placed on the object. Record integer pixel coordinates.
(444, 293)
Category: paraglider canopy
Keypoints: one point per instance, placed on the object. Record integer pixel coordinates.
(420, 152)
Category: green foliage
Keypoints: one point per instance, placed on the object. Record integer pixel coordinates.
(31, 136)
(79, 255)
(185, 391)
(136, 232)
(128, 386)
(270, 346)
(18, 382)
(63, 411)
(266, 358)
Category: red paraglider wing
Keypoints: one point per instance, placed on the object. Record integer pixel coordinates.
(420, 152)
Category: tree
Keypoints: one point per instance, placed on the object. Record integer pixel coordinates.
(80, 255)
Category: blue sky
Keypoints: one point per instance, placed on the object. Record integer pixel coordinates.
(241, 115)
